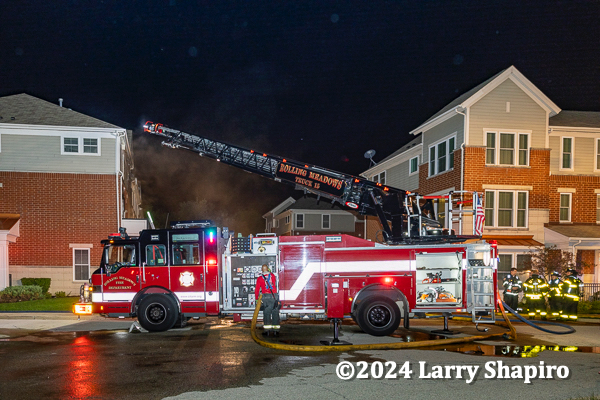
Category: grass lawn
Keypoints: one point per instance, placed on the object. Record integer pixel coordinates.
(57, 304)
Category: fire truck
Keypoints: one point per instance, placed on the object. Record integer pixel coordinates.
(164, 277)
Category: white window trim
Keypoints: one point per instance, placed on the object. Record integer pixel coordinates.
(323, 221)
(377, 177)
(596, 153)
(570, 207)
(296, 221)
(80, 152)
(410, 165)
(515, 209)
(287, 219)
(436, 164)
(515, 163)
(560, 160)
(89, 263)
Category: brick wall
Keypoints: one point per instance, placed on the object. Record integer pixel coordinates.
(536, 175)
(443, 181)
(583, 201)
(588, 258)
(57, 210)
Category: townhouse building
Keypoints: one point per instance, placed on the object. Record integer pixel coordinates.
(66, 182)
(537, 167)
(308, 216)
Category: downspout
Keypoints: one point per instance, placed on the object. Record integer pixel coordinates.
(118, 173)
(462, 168)
(573, 251)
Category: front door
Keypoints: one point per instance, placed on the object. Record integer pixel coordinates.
(121, 279)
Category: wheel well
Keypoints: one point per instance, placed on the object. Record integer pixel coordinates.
(377, 289)
(152, 290)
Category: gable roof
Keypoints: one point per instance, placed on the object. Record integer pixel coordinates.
(25, 109)
(580, 119)
(415, 142)
(472, 96)
(310, 203)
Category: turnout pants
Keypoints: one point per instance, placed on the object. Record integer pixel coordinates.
(512, 300)
(556, 306)
(536, 306)
(570, 308)
(270, 313)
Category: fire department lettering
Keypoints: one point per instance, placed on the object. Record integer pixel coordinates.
(119, 283)
(310, 179)
(186, 279)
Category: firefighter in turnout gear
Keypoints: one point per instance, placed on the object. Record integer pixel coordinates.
(570, 294)
(555, 295)
(536, 289)
(267, 285)
(512, 287)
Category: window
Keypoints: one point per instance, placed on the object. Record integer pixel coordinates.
(597, 154)
(186, 253)
(566, 153)
(71, 145)
(506, 209)
(90, 146)
(523, 262)
(79, 145)
(565, 207)
(489, 208)
(414, 165)
(490, 148)
(156, 254)
(326, 221)
(81, 264)
(379, 178)
(505, 262)
(507, 148)
(287, 219)
(299, 221)
(445, 156)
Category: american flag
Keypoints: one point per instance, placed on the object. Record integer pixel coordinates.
(479, 218)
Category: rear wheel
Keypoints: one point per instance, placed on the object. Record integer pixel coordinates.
(158, 312)
(378, 316)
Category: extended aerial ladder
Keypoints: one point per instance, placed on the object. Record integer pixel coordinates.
(401, 216)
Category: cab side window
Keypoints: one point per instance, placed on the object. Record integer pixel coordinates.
(186, 254)
(156, 254)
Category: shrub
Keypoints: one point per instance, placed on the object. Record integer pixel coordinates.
(20, 293)
(44, 283)
(60, 294)
(589, 307)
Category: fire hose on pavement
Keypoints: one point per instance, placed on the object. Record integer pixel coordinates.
(379, 346)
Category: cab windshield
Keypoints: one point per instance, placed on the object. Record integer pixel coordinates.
(120, 255)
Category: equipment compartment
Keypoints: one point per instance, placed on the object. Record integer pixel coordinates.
(439, 279)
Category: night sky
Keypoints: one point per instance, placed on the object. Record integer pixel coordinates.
(318, 81)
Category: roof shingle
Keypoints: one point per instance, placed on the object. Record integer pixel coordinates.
(28, 110)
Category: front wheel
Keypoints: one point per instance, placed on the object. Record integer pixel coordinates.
(157, 312)
(378, 316)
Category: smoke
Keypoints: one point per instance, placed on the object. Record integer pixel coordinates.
(181, 185)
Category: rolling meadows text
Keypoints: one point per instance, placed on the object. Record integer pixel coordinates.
(470, 373)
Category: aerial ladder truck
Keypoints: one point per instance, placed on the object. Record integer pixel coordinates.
(163, 277)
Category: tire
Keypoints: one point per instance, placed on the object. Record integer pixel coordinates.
(378, 316)
(158, 312)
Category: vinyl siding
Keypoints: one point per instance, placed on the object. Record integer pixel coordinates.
(490, 113)
(583, 155)
(29, 153)
(339, 222)
(397, 176)
(454, 125)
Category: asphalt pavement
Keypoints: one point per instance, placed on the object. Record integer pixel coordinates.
(55, 355)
